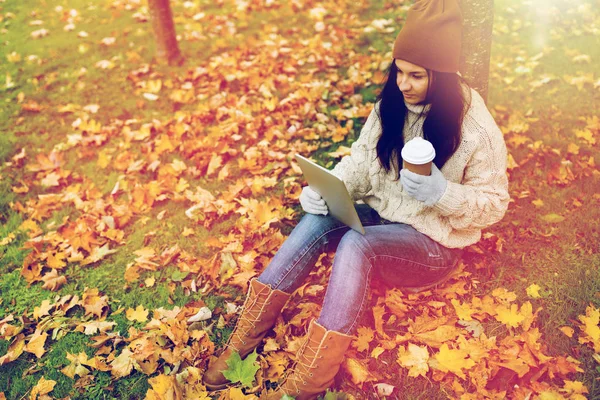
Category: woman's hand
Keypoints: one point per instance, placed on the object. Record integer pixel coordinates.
(428, 189)
(312, 202)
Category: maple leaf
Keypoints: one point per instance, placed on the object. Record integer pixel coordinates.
(93, 303)
(365, 336)
(51, 180)
(42, 388)
(123, 364)
(452, 360)
(56, 260)
(509, 316)
(97, 254)
(14, 350)
(92, 327)
(36, 343)
(533, 291)
(590, 327)
(278, 362)
(358, 372)
(414, 358)
(76, 367)
(139, 314)
(464, 310)
(242, 371)
(52, 281)
(43, 309)
(164, 387)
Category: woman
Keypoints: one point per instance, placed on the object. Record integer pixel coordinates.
(416, 226)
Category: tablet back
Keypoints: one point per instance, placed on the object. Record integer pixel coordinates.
(333, 191)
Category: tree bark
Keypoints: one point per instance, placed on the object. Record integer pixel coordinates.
(167, 49)
(477, 43)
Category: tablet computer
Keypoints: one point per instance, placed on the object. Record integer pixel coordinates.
(333, 191)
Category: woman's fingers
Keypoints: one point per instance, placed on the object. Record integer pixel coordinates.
(312, 194)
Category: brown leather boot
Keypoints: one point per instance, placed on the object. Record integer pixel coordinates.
(259, 313)
(317, 363)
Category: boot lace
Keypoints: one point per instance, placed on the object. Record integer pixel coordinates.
(302, 370)
(251, 311)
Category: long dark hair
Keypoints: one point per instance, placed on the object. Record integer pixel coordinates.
(442, 125)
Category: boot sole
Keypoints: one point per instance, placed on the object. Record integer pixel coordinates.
(215, 387)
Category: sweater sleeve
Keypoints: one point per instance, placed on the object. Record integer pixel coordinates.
(481, 199)
(353, 169)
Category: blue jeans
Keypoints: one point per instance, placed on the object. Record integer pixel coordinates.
(398, 254)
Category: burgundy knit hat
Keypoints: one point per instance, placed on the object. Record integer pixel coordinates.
(431, 36)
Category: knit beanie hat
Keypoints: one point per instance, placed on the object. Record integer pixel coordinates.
(431, 36)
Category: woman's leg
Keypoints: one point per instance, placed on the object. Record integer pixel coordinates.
(401, 256)
(298, 254)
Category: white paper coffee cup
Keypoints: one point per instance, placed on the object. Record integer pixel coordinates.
(417, 156)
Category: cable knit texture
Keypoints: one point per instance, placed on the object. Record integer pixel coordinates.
(476, 195)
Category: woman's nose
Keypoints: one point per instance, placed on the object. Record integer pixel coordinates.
(403, 84)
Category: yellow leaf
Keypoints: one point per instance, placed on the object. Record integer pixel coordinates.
(463, 311)
(553, 218)
(123, 364)
(590, 327)
(42, 388)
(14, 350)
(377, 351)
(452, 360)
(150, 281)
(76, 367)
(504, 295)
(572, 148)
(574, 387)
(415, 358)
(103, 159)
(139, 314)
(586, 135)
(538, 203)
(164, 387)
(365, 336)
(358, 372)
(57, 260)
(509, 316)
(533, 291)
(215, 162)
(36, 343)
(43, 309)
(567, 330)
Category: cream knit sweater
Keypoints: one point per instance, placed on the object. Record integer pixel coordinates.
(477, 192)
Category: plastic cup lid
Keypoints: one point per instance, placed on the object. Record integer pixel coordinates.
(418, 151)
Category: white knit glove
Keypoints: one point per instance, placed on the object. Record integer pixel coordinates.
(312, 202)
(428, 189)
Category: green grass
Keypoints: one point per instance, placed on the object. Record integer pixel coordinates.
(564, 264)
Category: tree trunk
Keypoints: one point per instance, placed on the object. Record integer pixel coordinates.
(167, 49)
(477, 43)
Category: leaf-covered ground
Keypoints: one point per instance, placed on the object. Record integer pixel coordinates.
(135, 197)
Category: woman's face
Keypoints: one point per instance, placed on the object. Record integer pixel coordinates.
(412, 81)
